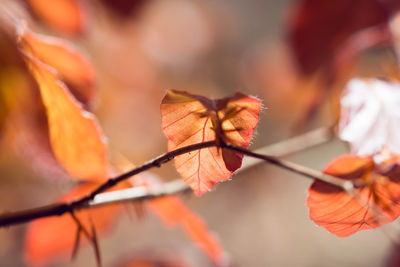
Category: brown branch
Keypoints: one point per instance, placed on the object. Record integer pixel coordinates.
(57, 209)
(142, 193)
(286, 147)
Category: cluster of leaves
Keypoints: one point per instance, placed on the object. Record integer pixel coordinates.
(66, 82)
(369, 117)
(80, 149)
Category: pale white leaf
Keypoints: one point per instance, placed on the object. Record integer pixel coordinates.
(370, 116)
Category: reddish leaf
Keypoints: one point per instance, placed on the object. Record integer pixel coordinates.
(318, 28)
(370, 116)
(52, 238)
(63, 15)
(124, 8)
(75, 136)
(188, 119)
(74, 69)
(372, 205)
(173, 211)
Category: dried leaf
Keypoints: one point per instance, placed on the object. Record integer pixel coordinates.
(188, 119)
(63, 15)
(370, 116)
(371, 206)
(52, 238)
(75, 136)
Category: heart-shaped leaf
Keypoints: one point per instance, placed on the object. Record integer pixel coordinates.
(189, 119)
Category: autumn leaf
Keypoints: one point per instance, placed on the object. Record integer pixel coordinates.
(188, 119)
(13, 78)
(73, 67)
(318, 28)
(370, 116)
(124, 8)
(372, 205)
(67, 16)
(50, 239)
(173, 212)
(75, 136)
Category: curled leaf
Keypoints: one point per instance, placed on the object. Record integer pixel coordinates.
(189, 119)
(374, 204)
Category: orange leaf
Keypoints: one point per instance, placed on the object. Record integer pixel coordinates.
(372, 205)
(75, 136)
(188, 119)
(173, 211)
(49, 239)
(75, 70)
(64, 15)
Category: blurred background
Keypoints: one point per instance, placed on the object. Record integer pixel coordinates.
(141, 48)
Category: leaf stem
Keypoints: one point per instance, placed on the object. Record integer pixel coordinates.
(98, 198)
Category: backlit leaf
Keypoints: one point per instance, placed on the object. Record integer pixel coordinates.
(189, 119)
(74, 68)
(173, 212)
(63, 15)
(374, 204)
(75, 136)
(52, 238)
(370, 116)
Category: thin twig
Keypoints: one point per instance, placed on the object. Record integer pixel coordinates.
(175, 187)
(283, 148)
(296, 168)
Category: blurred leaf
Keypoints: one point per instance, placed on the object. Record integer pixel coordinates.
(66, 16)
(370, 116)
(124, 8)
(74, 68)
(189, 119)
(173, 212)
(372, 205)
(318, 28)
(75, 136)
(49, 239)
(12, 75)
